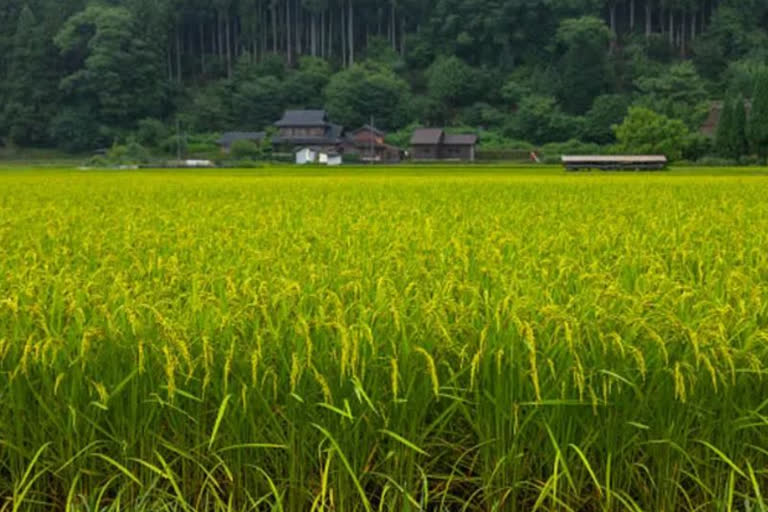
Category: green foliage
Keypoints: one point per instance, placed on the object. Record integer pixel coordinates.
(585, 64)
(104, 43)
(697, 146)
(226, 65)
(365, 90)
(539, 119)
(678, 93)
(570, 147)
(644, 131)
(151, 132)
(303, 86)
(757, 124)
(74, 129)
(246, 149)
(731, 138)
(451, 82)
(210, 109)
(606, 111)
(30, 90)
(513, 92)
(483, 115)
(257, 103)
(130, 153)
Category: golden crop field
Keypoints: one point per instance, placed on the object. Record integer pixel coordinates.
(445, 341)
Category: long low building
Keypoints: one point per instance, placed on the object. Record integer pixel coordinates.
(615, 162)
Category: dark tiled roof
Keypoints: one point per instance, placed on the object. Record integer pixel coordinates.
(303, 118)
(319, 141)
(227, 139)
(335, 131)
(426, 136)
(460, 140)
(369, 128)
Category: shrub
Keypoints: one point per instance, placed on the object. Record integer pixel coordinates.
(151, 132)
(716, 161)
(246, 149)
(130, 153)
(645, 131)
(571, 147)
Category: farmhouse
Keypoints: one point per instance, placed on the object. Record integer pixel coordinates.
(435, 144)
(368, 143)
(227, 139)
(616, 162)
(310, 128)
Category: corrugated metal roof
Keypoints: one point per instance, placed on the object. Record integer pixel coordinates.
(303, 118)
(567, 159)
(460, 140)
(427, 136)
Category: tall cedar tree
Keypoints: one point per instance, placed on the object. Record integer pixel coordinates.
(731, 141)
(30, 87)
(757, 125)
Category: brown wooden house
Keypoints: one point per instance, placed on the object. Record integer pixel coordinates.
(368, 143)
(435, 144)
(307, 128)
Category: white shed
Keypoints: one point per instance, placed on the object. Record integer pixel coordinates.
(333, 159)
(306, 156)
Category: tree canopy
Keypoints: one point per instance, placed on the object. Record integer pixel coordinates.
(82, 74)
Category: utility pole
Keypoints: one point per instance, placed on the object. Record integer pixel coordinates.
(373, 134)
(178, 139)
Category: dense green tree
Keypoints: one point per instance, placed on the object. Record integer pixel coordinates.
(757, 124)
(451, 82)
(30, 89)
(644, 131)
(368, 90)
(226, 64)
(114, 73)
(210, 109)
(585, 64)
(606, 111)
(539, 119)
(679, 93)
(304, 86)
(731, 140)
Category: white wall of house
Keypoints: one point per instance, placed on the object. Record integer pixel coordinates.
(306, 156)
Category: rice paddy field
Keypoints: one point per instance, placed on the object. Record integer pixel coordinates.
(392, 340)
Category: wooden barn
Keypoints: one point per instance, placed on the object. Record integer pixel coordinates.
(435, 144)
(368, 143)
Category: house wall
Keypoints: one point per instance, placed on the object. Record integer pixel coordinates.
(367, 138)
(457, 152)
(313, 131)
(425, 152)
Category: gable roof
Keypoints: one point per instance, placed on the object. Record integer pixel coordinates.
(228, 138)
(426, 136)
(303, 118)
(460, 140)
(369, 128)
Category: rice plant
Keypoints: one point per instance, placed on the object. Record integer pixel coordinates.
(376, 342)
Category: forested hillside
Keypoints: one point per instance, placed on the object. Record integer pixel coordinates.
(80, 75)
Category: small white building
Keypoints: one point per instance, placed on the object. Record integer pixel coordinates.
(306, 156)
(333, 159)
